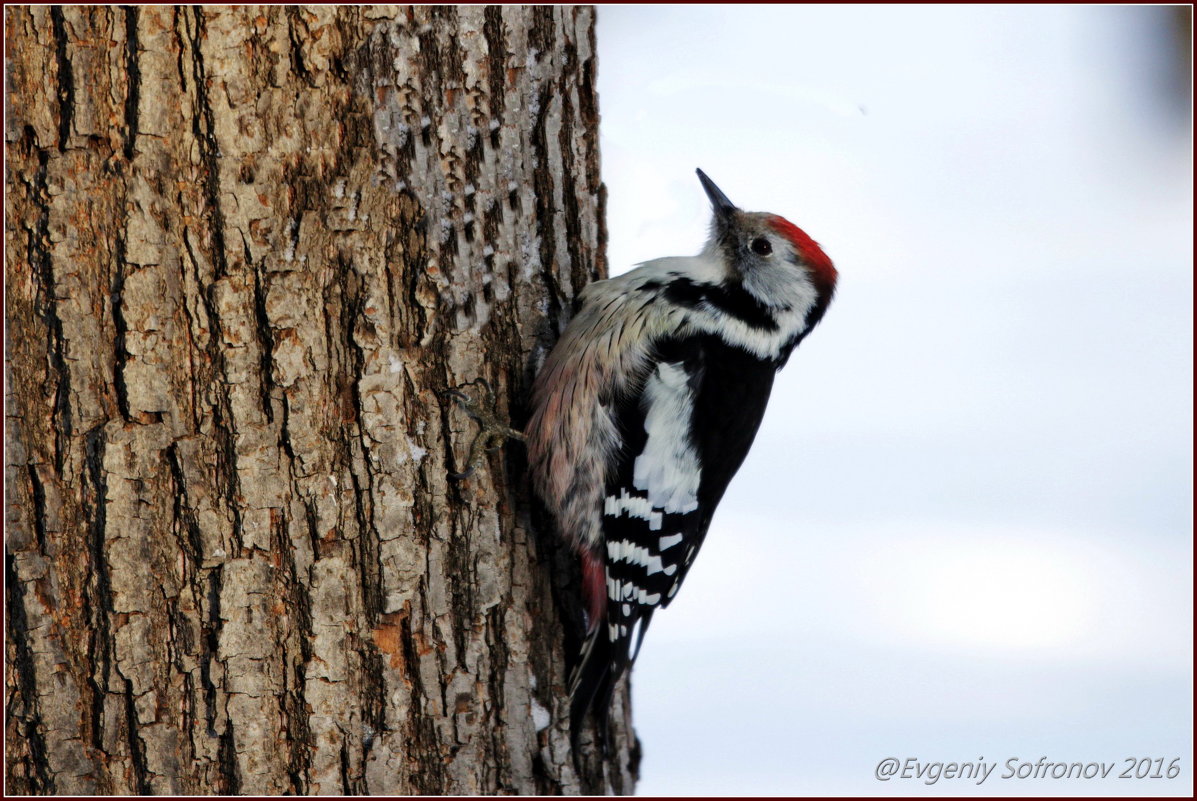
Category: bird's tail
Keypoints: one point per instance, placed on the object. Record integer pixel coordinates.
(593, 683)
(607, 652)
(594, 677)
(603, 662)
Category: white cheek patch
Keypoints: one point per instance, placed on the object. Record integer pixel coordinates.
(668, 469)
(762, 343)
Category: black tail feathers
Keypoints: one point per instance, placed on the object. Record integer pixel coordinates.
(602, 664)
(593, 684)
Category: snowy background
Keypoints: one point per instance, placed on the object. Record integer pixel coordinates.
(965, 530)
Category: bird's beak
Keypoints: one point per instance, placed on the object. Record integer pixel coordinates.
(722, 207)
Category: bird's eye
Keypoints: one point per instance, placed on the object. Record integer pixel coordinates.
(761, 246)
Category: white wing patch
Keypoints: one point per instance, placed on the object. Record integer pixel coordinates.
(668, 470)
(627, 551)
(628, 591)
(670, 541)
(632, 506)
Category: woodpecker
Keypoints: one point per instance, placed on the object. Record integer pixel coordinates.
(646, 408)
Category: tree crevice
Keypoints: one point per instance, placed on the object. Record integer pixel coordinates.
(22, 706)
(41, 259)
(98, 591)
(65, 78)
(141, 777)
(133, 73)
(120, 351)
(204, 131)
(265, 334)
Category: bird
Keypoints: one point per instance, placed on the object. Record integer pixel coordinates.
(646, 407)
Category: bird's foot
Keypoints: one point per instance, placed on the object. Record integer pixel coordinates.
(492, 432)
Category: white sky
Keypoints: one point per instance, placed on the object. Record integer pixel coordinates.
(965, 530)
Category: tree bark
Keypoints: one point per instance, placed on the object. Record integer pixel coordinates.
(247, 250)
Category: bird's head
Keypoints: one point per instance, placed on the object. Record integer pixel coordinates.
(770, 257)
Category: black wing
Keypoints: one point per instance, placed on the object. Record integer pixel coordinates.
(685, 434)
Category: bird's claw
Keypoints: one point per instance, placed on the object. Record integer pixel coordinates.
(491, 432)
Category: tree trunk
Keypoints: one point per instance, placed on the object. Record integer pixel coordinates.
(247, 251)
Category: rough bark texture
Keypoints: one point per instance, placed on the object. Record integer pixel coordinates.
(246, 250)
